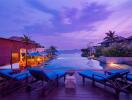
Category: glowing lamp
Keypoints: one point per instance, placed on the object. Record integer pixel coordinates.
(112, 64)
(38, 59)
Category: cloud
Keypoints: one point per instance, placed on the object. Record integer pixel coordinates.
(74, 22)
(69, 19)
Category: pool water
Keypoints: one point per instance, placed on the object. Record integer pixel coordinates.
(76, 62)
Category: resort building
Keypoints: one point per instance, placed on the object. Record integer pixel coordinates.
(12, 49)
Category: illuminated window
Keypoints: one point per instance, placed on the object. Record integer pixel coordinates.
(15, 57)
(22, 53)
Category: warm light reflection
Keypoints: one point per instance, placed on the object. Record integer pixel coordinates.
(32, 61)
(38, 59)
(114, 65)
(15, 57)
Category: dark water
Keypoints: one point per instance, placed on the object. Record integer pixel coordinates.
(76, 62)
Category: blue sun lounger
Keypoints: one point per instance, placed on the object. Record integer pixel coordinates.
(46, 77)
(40, 74)
(15, 75)
(127, 76)
(11, 78)
(103, 78)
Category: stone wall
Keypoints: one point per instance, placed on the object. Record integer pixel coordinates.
(115, 59)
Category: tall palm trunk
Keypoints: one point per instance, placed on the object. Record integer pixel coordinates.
(26, 40)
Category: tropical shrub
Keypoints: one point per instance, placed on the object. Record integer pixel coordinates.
(85, 52)
(117, 50)
(98, 51)
(51, 50)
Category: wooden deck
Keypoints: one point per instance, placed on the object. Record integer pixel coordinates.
(87, 92)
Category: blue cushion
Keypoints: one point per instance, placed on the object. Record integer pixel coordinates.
(129, 77)
(99, 76)
(5, 73)
(113, 76)
(59, 73)
(118, 71)
(50, 75)
(18, 76)
(39, 73)
(21, 76)
(6, 70)
(36, 70)
(90, 74)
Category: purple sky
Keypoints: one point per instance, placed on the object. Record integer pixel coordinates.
(66, 24)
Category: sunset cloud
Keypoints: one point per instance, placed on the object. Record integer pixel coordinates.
(75, 22)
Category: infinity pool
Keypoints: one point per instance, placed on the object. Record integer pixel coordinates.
(76, 62)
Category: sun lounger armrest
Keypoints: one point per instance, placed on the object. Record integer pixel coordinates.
(98, 76)
(108, 72)
(129, 74)
(21, 75)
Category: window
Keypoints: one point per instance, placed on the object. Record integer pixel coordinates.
(15, 57)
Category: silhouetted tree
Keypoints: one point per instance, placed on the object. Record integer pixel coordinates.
(51, 50)
(26, 39)
(110, 36)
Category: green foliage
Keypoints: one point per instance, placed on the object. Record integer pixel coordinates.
(85, 52)
(98, 51)
(51, 50)
(26, 39)
(117, 50)
(114, 49)
(110, 36)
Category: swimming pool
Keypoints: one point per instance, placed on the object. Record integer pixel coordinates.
(76, 62)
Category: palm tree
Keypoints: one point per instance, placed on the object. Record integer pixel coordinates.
(110, 36)
(26, 39)
(51, 50)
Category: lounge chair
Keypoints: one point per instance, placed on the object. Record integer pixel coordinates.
(11, 79)
(47, 78)
(105, 79)
(125, 79)
(127, 76)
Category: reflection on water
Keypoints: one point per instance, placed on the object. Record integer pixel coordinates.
(76, 62)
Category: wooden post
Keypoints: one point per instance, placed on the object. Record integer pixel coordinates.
(11, 54)
(11, 60)
(26, 57)
(83, 78)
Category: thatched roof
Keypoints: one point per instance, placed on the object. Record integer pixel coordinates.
(16, 38)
